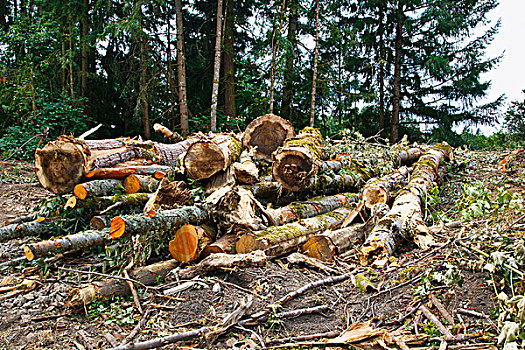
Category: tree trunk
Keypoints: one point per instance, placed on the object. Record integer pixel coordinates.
(381, 78)
(408, 156)
(209, 155)
(140, 183)
(69, 243)
(25, 229)
(275, 50)
(168, 195)
(331, 243)
(84, 50)
(298, 159)
(119, 200)
(162, 221)
(279, 240)
(245, 169)
(230, 109)
(181, 67)
(97, 188)
(189, 241)
(143, 89)
(216, 68)
(61, 164)
(405, 220)
(316, 58)
(225, 244)
(266, 134)
(157, 171)
(286, 109)
(150, 275)
(396, 104)
(381, 190)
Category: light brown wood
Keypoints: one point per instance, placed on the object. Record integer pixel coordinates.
(266, 134)
(168, 195)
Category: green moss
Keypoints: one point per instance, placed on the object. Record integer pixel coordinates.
(235, 148)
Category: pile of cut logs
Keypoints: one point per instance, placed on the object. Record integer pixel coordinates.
(230, 194)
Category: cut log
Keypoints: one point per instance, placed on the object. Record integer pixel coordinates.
(404, 220)
(168, 195)
(110, 288)
(211, 154)
(61, 164)
(408, 156)
(381, 190)
(21, 219)
(266, 134)
(330, 243)
(312, 207)
(84, 239)
(25, 229)
(102, 203)
(220, 180)
(245, 169)
(189, 241)
(278, 240)
(162, 221)
(225, 244)
(167, 132)
(99, 222)
(97, 188)
(140, 183)
(298, 159)
(157, 171)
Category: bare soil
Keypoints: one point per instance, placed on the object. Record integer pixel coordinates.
(34, 319)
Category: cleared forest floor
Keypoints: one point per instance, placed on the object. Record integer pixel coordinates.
(484, 203)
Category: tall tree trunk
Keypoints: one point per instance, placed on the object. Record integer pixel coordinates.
(181, 67)
(316, 57)
(71, 53)
(286, 107)
(396, 103)
(230, 109)
(84, 49)
(275, 48)
(216, 68)
(381, 76)
(143, 89)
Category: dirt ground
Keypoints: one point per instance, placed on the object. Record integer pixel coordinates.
(451, 272)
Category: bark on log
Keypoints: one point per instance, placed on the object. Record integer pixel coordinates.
(405, 219)
(110, 288)
(225, 244)
(408, 156)
(157, 171)
(168, 195)
(164, 220)
(84, 239)
(312, 207)
(25, 229)
(167, 132)
(331, 243)
(102, 203)
(61, 164)
(278, 240)
(99, 222)
(211, 154)
(266, 134)
(298, 159)
(245, 169)
(381, 190)
(97, 188)
(189, 241)
(140, 183)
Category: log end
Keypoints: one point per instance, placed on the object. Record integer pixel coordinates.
(28, 253)
(373, 195)
(248, 243)
(320, 247)
(117, 227)
(60, 165)
(80, 191)
(71, 202)
(132, 184)
(372, 251)
(159, 174)
(97, 223)
(203, 160)
(184, 245)
(293, 167)
(267, 133)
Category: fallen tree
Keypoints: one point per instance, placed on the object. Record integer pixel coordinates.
(121, 172)
(109, 202)
(97, 188)
(381, 190)
(266, 134)
(189, 241)
(405, 219)
(278, 240)
(25, 229)
(140, 183)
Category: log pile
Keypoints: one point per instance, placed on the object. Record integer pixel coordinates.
(203, 196)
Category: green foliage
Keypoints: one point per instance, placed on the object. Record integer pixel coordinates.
(515, 120)
(450, 276)
(117, 311)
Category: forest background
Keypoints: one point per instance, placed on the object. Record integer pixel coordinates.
(378, 67)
